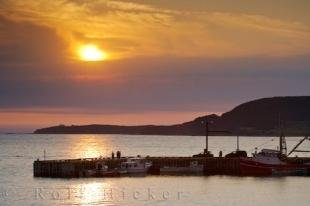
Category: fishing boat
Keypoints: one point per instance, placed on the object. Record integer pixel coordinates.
(135, 166)
(270, 162)
(101, 170)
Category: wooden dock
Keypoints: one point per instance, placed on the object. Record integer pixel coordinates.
(72, 168)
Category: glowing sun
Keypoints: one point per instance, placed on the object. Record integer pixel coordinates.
(91, 52)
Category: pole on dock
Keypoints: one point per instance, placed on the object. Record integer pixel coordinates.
(237, 142)
(206, 152)
(207, 136)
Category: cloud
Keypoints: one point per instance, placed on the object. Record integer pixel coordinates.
(23, 43)
(138, 29)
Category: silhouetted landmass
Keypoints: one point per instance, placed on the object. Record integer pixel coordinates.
(258, 117)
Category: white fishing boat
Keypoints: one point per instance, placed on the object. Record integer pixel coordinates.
(135, 166)
(101, 170)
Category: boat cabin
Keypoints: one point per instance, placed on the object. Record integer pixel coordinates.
(135, 165)
(101, 166)
(268, 156)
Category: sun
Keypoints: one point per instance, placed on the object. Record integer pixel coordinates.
(91, 52)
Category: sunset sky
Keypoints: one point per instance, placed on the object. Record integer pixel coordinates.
(146, 61)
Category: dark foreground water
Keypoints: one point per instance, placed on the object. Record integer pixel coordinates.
(18, 187)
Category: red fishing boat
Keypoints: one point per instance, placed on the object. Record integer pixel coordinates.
(275, 162)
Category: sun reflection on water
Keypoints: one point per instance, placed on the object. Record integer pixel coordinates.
(94, 193)
(89, 146)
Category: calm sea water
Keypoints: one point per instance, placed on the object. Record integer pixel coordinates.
(19, 187)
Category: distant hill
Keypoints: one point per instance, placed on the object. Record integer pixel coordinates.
(258, 117)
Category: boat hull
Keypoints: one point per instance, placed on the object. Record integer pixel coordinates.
(253, 168)
(96, 173)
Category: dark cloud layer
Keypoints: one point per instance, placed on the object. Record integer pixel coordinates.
(145, 84)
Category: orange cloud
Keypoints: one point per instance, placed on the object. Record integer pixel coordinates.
(145, 30)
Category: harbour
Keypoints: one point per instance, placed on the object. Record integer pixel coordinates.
(19, 152)
(267, 162)
(73, 168)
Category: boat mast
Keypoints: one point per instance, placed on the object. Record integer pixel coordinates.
(282, 143)
(283, 148)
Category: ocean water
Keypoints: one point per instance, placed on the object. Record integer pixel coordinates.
(19, 187)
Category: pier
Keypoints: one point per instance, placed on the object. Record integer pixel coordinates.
(72, 168)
